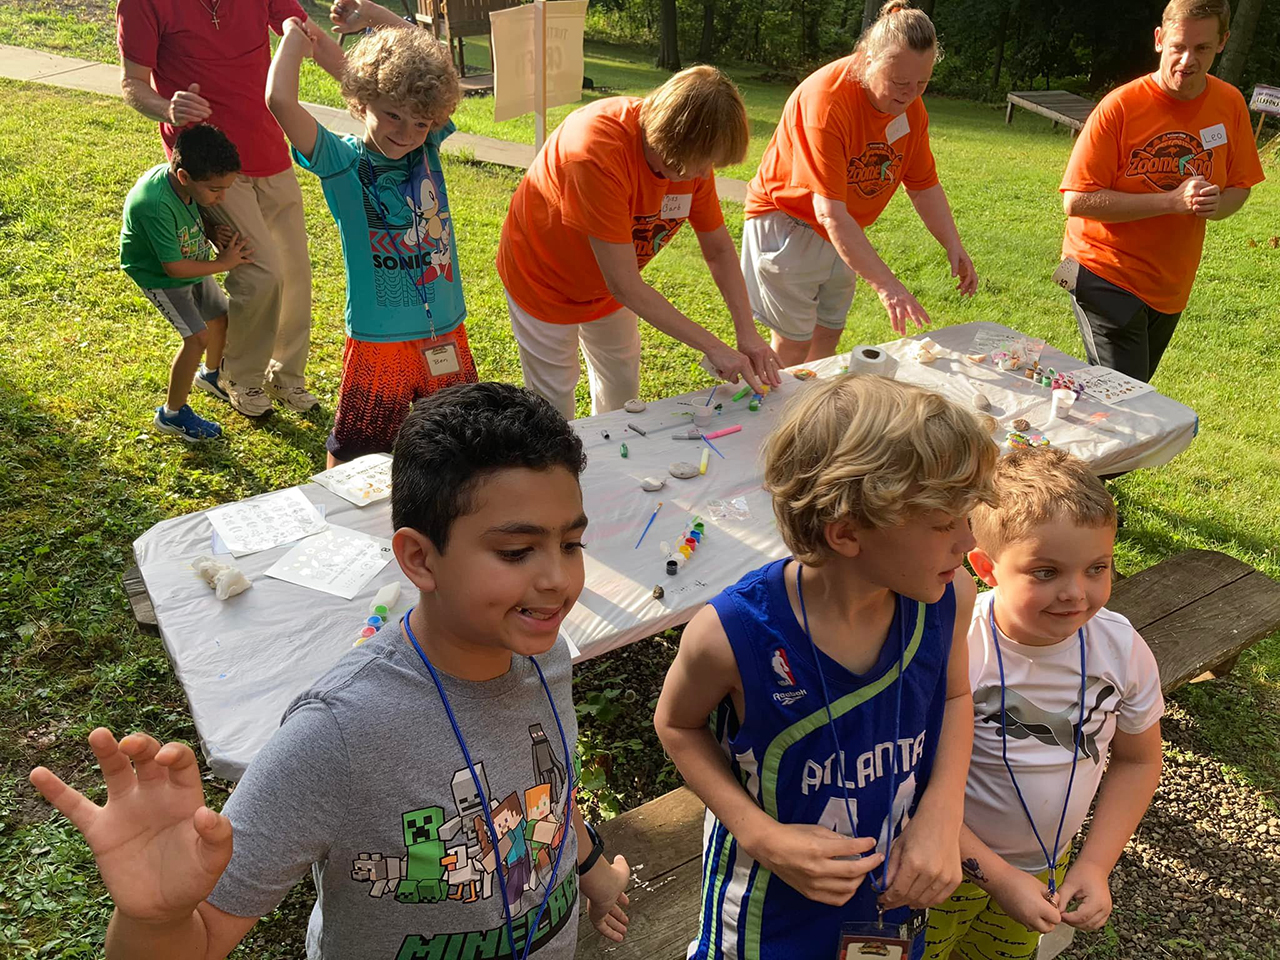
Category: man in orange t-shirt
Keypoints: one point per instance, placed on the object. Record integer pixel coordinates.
(613, 184)
(1156, 159)
(849, 134)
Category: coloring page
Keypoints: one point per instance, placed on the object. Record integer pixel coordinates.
(337, 561)
(265, 522)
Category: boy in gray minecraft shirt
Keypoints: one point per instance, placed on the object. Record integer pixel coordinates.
(427, 779)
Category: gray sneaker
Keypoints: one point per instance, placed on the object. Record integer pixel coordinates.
(295, 398)
(250, 401)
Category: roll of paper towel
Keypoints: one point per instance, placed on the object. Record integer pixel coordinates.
(872, 360)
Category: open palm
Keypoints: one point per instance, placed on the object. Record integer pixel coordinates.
(159, 850)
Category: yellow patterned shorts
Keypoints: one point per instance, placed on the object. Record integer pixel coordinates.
(972, 926)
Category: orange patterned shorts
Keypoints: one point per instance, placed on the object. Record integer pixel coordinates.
(380, 381)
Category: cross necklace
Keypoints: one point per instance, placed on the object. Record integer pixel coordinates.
(213, 12)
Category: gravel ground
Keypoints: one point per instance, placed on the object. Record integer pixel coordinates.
(1201, 878)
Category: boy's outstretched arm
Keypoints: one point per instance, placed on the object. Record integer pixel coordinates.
(603, 886)
(924, 863)
(1127, 788)
(1019, 894)
(282, 88)
(814, 860)
(159, 849)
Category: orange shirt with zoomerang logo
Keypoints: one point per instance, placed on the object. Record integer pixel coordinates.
(591, 180)
(832, 142)
(1141, 140)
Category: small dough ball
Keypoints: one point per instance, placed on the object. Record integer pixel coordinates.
(634, 406)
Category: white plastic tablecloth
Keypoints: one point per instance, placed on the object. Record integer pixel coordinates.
(242, 661)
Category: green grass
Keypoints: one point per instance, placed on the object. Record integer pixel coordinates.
(83, 359)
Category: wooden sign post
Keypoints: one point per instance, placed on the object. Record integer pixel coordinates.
(537, 59)
(1265, 100)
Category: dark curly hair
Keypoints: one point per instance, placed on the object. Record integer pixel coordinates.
(204, 152)
(453, 439)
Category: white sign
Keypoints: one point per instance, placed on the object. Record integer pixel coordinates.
(1265, 99)
(521, 52)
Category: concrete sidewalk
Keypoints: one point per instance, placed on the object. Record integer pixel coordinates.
(35, 66)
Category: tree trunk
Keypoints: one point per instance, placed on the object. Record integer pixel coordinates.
(707, 46)
(1234, 58)
(1002, 30)
(870, 9)
(668, 49)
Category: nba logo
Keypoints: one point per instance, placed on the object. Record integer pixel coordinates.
(783, 669)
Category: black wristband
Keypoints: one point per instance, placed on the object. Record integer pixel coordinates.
(597, 850)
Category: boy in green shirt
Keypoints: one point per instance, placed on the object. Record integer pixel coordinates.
(163, 248)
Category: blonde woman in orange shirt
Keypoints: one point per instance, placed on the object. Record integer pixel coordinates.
(849, 135)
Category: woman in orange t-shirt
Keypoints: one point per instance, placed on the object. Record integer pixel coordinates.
(849, 134)
(610, 188)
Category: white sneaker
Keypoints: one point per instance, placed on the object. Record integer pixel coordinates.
(295, 398)
(250, 401)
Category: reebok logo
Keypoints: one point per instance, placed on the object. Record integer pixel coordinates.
(790, 696)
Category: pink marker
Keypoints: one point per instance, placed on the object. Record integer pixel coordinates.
(725, 432)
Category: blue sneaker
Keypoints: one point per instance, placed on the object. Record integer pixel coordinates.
(207, 380)
(187, 425)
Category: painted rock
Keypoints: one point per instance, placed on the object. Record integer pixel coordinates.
(683, 470)
(1021, 425)
(652, 483)
(634, 406)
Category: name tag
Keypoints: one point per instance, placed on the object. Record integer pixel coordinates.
(441, 360)
(898, 127)
(676, 206)
(1214, 136)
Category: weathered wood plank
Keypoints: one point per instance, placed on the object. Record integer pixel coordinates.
(663, 919)
(659, 836)
(140, 602)
(1173, 584)
(1214, 629)
(1058, 105)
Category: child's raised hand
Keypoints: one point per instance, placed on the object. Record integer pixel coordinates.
(295, 27)
(1022, 897)
(234, 251)
(159, 849)
(603, 885)
(818, 862)
(347, 16)
(1089, 886)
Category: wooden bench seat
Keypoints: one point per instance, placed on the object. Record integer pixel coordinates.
(1058, 105)
(1197, 611)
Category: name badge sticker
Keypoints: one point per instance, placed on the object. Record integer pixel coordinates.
(441, 360)
(1214, 136)
(676, 206)
(899, 126)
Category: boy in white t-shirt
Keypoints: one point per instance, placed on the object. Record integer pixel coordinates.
(1067, 681)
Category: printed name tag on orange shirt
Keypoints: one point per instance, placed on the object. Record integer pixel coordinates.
(676, 206)
(899, 126)
(1214, 136)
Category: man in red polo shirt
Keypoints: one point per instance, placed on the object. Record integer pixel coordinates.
(192, 61)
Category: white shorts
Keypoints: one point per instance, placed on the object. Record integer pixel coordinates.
(795, 279)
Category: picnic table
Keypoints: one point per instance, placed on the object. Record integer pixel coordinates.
(242, 661)
(1058, 105)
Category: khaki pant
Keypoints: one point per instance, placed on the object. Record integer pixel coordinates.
(549, 358)
(269, 323)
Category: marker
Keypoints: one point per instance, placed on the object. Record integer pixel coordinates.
(652, 517)
(623, 450)
(723, 433)
(632, 426)
(741, 393)
(702, 467)
(713, 447)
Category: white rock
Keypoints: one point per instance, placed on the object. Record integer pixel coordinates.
(652, 483)
(981, 402)
(683, 470)
(634, 406)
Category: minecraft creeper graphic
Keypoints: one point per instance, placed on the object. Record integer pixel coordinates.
(425, 873)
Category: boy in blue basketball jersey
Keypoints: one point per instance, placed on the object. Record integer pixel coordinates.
(839, 683)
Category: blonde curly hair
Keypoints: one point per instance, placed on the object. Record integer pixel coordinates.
(876, 452)
(409, 67)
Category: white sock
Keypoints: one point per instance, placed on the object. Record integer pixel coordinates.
(168, 412)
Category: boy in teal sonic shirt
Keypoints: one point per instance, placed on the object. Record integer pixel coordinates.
(405, 309)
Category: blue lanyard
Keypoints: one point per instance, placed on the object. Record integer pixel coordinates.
(484, 801)
(370, 185)
(1051, 861)
(879, 886)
